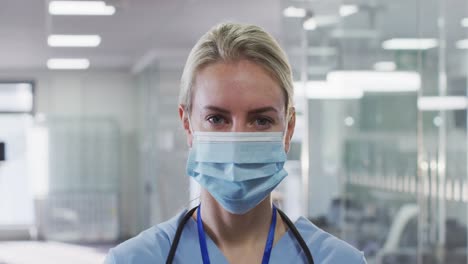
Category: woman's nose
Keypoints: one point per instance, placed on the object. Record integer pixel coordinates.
(240, 125)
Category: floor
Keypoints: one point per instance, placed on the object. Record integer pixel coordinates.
(29, 252)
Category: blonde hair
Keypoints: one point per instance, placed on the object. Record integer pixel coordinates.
(229, 42)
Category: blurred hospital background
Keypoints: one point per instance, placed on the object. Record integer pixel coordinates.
(92, 151)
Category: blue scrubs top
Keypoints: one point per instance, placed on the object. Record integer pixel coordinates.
(152, 246)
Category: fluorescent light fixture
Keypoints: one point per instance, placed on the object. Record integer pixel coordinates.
(90, 8)
(294, 12)
(462, 44)
(437, 121)
(374, 81)
(349, 121)
(310, 24)
(355, 33)
(322, 90)
(347, 10)
(464, 22)
(68, 64)
(440, 103)
(74, 40)
(409, 44)
(385, 66)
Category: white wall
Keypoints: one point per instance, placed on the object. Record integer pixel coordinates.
(95, 93)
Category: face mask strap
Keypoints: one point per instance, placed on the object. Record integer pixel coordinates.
(285, 131)
(290, 111)
(190, 123)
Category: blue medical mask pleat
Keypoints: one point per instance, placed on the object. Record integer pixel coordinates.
(238, 172)
(238, 152)
(239, 192)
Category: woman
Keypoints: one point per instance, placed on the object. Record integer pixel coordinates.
(236, 106)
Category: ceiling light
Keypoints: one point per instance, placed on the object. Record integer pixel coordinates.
(68, 64)
(409, 44)
(74, 40)
(310, 24)
(439, 103)
(349, 121)
(385, 66)
(437, 121)
(97, 8)
(322, 90)
(355, 33)
(347, 10)
(462, 44)
(464, 22)
(374, 81)
(294, 12)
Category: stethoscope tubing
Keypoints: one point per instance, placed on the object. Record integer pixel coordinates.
(188, 215)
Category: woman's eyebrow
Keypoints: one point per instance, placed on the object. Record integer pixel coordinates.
(216, 109)
(254, 111)
(263, 109)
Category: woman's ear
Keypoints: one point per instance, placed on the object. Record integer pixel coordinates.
(184, 117)
(290, 131)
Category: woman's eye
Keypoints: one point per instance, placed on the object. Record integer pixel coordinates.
(263, 122)
(216, 120)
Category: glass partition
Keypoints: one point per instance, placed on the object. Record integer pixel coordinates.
(381, 92)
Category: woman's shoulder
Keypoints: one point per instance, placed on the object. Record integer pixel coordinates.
(326, 248)
(150, 246)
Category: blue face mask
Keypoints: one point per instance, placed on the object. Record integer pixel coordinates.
(238, 169)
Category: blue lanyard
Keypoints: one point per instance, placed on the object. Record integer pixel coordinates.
(204, 248)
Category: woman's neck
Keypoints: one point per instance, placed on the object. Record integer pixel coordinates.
(227, 229)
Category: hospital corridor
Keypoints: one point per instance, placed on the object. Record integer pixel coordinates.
(263, 131)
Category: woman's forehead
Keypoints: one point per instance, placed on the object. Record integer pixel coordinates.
(236, 85)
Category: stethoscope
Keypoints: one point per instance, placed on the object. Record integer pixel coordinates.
(288, 222)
